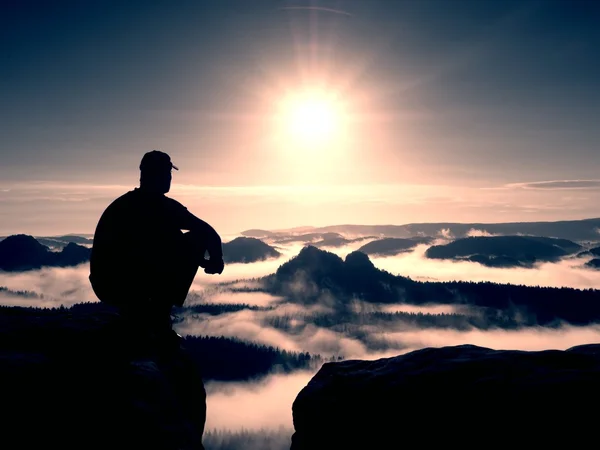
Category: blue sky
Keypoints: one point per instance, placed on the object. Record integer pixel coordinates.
(461, 110)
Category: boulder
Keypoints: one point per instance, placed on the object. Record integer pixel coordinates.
(248, 250)
(465, 395)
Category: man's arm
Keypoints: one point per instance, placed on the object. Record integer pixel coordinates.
(213, 240)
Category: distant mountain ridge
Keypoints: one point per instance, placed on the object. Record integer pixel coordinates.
(576, 230)
(62, 241)
(247, 250)
(328, 239)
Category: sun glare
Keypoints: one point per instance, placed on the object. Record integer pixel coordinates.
(311, 118)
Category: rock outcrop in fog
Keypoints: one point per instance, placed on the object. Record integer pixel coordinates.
(463, 396)
(505, 251)
(392, 246)
(247, 250)
(593, 264)
(314, 275)
(23, 252)
(595, 252)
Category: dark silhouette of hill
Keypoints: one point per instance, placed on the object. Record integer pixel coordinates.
(567, 245)
(73, 254)
(504, 251)
(392, 246)
(591, 252)
(22, 252)
(304, 276)
(593, 264)
(575, 230)
(314, 274)
(247, 250)
(531, 397)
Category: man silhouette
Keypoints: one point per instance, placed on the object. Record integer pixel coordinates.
(141, 261)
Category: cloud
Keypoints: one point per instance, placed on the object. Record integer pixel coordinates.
(59, 286)
(266, 404)
(244, 284)
(445, 233)
(253, 326)
(557, 184)
(250, 298)
(473, 232)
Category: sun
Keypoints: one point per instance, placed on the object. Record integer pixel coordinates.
(311, 118)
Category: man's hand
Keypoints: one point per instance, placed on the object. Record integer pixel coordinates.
(213, 266)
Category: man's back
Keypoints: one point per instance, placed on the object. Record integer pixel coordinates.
(134, 238)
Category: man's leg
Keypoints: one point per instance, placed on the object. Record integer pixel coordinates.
(183, 371)
(182, 270)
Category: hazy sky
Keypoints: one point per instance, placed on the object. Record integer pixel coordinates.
(441, 110)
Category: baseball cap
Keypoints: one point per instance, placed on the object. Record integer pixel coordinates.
(156, 160)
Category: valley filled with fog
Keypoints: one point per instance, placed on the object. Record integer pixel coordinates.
(247, 303)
